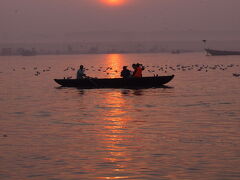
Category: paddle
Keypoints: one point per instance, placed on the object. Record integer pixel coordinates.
(91, 81)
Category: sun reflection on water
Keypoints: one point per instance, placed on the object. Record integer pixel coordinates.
(115, 139)
(115, 62)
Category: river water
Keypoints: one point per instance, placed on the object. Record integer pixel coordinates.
(188, 131)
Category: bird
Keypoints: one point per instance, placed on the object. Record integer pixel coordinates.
(37, 73)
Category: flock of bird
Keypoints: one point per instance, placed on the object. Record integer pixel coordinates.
(155, 69)
(150, 69)
(36, 69)
(38, 72)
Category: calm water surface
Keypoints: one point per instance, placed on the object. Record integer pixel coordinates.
(189, 131)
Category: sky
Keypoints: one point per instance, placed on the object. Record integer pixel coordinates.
(48, 17)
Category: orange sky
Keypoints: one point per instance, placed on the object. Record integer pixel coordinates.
(114, 2)
(25, 18)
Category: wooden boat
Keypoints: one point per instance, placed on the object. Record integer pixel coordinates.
(221, 53)
(144, 82)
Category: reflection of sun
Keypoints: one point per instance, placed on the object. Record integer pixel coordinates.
(115, 138)
(114, 61)
(113, 2)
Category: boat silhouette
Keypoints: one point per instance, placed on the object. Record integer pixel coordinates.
(220, 52)
(144, 82)
(215, 52)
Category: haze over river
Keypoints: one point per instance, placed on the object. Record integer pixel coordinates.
(188, 131)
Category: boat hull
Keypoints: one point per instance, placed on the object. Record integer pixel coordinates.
(144, 82)
(221, 53)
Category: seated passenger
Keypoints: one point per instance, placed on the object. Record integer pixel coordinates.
(138, 68)
(134, 66)
(81, 72)
(125, 72)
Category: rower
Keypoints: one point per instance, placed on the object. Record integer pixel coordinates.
(81, 72)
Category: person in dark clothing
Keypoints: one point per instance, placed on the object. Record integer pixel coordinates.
(134, 66)
(125, 72)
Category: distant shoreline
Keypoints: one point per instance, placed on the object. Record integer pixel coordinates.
(100, 53)
(118, 47)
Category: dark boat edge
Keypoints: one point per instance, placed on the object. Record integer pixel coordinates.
(162, 80)
(221, 53)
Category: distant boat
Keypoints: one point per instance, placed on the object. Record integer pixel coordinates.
(221, 53)
(175, 51)
(236, 74)
(144, 82)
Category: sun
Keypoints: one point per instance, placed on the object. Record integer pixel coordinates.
(113, 2)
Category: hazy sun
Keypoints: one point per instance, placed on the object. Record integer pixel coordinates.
(113, 2)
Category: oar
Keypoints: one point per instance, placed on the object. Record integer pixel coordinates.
(95, 84)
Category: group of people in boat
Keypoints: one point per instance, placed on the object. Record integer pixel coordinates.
(125, 73)
(137, 71)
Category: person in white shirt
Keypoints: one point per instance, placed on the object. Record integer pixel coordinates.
(81, 72)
